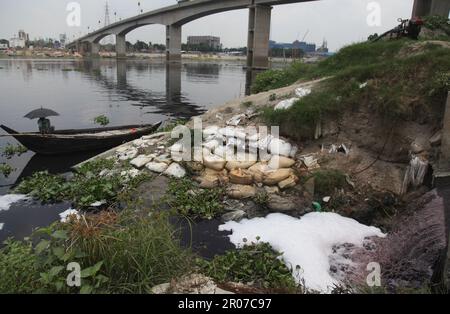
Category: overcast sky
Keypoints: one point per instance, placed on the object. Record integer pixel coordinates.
(339, 21)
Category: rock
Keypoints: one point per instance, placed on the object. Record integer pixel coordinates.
(236, 215)
(213, 161)
(279, 147)
(289, 182)
(161, 289)
(309, 186)
(123, 149)
(436, 139)
(175, 170)
(279, 203)
(277, 162)
(140, 161)
(158, 167)
(191, 284)
(235, 120)
(241, 176)
(237, 191)
(272, 189)
(275, 176)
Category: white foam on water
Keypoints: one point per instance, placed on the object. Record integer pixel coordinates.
(306, 242)
(7, 200)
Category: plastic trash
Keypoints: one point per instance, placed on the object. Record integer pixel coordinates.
(317, 207)
(286, 104)
(302, 92)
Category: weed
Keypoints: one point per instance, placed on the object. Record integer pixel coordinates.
(247, 104)
(12, 150)
(194, 202)
(6, 169)
(101, 120)
(256, 263)
(326, 181)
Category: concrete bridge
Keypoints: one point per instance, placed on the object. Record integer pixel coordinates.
(175, 16)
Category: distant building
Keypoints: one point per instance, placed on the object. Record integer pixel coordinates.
(305, 47)
(62, 40)
(208, 41)
(4, 44)
(20, 41)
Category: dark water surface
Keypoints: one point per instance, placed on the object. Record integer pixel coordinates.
(127, 92)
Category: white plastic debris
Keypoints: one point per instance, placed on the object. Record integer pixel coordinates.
(140, 161)
(307, 242)
(64, 216)
(286, 104)
(235, 120)
(211, 130)
(363, 85)
(302, 92)
(1, 226)
(158, 167)
(175, 170)
(279, 147)
(310, 161)
(7, 200)
(326, 199)
(415, 173)
(98, 203)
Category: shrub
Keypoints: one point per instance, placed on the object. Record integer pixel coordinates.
(6, 169)
(326, 181)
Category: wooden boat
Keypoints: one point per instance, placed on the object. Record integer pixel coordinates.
(71, 141)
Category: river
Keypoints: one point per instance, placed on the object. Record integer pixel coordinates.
(127, 92)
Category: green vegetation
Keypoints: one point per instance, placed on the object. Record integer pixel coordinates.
(257, 263)
(398, 72)
(189, 200)
(85, 188)
(101, 120)
(437, 23)
(326, 181)
(247, 104)
(11, 150)
(6, 169)
(169, 126)
(118, 253)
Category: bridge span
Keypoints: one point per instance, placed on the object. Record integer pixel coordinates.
(175, 16)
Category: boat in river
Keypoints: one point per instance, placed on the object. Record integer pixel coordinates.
(83, 140)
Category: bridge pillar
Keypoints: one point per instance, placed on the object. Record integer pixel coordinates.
(95, 49)
(258, 37)
(431, 7)
(121, 46)
(173, 43)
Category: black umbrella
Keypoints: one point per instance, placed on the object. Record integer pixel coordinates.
(41, 113)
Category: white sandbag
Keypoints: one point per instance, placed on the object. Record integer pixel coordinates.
(129, 154)
(140, 161)
(175, 170)
(286, 104)
(302, 92)
(280, 147)
(158, 167)
(235, 120)
(211, 130)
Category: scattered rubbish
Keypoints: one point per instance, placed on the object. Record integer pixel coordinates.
(326, 199)
(302, 92)
(1, 225)
(436, 139)
(7, 200)
(310, 161)
(334, 149)
(98, 203)
(286, 104)
(64, 216)
(219, 116)
(234, 121)
(415, 173)
(158, 167)
(349, 181)
(317, 207)
(363, 85)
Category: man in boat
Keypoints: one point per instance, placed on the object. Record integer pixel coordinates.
(45, 126)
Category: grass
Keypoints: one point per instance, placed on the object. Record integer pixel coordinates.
(6, 170)
(11, 150)
(407, 86)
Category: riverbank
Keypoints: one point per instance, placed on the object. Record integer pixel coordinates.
(333, 192)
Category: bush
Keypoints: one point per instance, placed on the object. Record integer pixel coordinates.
(256, 263)
(326, 181)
